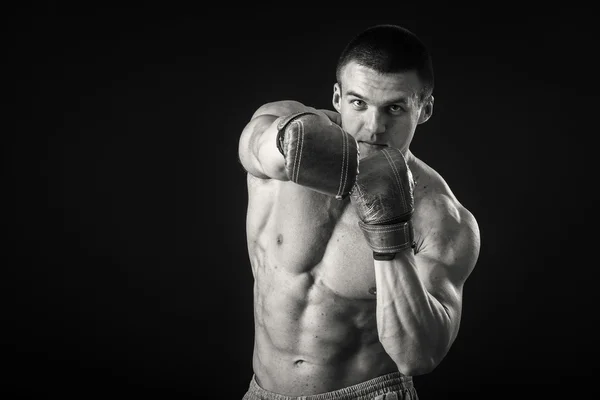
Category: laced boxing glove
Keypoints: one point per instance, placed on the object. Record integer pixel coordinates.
(318, 153)
(384, 202)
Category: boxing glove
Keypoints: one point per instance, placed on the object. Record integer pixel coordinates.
(318, 153)
(384, 202)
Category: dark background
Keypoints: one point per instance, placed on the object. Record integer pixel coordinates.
(124, 213)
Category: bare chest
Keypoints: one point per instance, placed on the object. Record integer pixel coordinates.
(296, 232)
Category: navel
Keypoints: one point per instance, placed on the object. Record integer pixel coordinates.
(280, 239)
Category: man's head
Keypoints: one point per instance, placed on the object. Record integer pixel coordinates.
(384, 87)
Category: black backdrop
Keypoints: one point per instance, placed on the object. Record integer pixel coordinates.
(125, 257)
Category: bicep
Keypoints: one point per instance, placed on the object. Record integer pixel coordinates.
(250, 142)
(447, 259)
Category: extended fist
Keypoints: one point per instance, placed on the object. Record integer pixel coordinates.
(318, 153)
(384, 201)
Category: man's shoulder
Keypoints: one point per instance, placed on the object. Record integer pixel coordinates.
(439, 214)
(440, 210)
(432, 192)
(279, 108)
(287, 107)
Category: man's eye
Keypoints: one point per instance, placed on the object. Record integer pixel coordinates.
(396, 108)
(358, 103)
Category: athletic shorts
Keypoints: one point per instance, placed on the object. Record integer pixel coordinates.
(393, 386)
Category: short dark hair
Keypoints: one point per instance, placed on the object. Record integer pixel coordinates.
(389, 49)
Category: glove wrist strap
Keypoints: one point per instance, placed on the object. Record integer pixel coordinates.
(282, 124)
(387, 240)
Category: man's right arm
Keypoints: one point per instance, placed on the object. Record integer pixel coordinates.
(257, 148)
(288, 141)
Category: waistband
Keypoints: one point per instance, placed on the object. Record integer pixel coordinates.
(392, 382)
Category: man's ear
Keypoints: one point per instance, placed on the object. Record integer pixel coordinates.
(426, 110)
(337, 97)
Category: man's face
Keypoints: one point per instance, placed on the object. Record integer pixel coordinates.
(380, 110)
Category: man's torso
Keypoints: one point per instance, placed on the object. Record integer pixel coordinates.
(314, 294)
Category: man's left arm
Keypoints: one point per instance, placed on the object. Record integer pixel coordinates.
(419, 296)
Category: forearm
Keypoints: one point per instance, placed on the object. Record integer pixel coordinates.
(414, 327)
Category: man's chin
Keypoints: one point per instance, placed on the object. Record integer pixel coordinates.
(367, 149)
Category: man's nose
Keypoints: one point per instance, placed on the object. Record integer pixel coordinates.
(375, 122)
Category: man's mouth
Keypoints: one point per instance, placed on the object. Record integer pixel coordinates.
(372, 144)
(368, 148)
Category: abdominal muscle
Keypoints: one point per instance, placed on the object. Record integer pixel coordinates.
(314, 293)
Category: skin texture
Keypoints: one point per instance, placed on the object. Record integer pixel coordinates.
(326, 314)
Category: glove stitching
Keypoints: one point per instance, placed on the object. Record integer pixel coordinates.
(298, 155)
(396, 247)
(397, 176)
(383, 230)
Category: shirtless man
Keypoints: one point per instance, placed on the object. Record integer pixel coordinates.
(359, 250)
